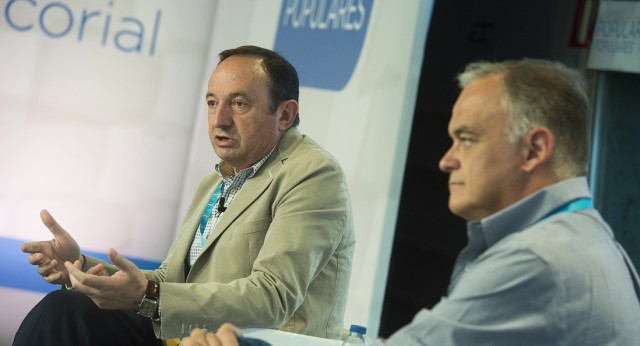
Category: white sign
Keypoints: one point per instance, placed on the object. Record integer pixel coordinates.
(616, 40)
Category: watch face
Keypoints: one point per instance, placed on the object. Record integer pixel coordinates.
(147, 307)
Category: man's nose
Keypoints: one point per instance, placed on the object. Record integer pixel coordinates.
(448, 162)
(220, 117)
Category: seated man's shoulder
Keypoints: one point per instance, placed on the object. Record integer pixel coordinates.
(310, 151)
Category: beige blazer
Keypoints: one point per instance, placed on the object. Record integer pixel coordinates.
(279, 257)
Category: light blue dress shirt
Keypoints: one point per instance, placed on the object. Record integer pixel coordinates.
(531, 277)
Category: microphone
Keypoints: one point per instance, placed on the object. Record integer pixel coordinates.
(221, 207)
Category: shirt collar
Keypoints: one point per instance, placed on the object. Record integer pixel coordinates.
(527, 211)
(247, 172)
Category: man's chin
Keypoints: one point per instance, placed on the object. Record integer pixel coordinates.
(225, 154)
(458, 210)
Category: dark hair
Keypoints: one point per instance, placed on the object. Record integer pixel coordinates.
(283, 77)
(543, 93)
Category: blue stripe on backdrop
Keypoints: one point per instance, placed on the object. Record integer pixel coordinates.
(18, 273)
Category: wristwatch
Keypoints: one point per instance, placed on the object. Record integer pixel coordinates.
(149, 304)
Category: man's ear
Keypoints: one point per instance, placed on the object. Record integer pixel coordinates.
(539, 147)
(287, 112)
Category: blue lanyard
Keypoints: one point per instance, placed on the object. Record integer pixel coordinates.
(578, 204)
(207, 212)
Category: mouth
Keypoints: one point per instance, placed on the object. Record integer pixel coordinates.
(223, 140)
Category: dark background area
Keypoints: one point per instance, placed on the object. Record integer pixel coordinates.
(428, 237)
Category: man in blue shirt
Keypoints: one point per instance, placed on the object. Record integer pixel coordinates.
(541, 266)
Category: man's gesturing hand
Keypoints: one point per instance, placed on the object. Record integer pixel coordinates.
(122, 290)
(49, 256)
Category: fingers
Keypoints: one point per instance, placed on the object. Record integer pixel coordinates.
(197, 337)
(73, 272)
(97, 270)
(35, 258)
(228, 334)
(52, 225)
(80, 280)
(48, 269)
(121, 262)
(45, 268)
(54, 277)
(32, 247)
(229, 328)
(191, 341)
(215, 340)
(197, 334)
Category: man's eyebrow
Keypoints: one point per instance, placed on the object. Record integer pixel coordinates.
(232, 95)
(464, 130)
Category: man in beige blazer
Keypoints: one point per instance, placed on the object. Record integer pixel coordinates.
(266, 242)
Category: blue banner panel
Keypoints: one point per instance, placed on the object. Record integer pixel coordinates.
(323, 39)
(20, 274)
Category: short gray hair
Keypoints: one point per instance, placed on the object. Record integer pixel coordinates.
(547, 94)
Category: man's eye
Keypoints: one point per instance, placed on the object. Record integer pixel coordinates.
(239, 103)
(466, 141)
(212, 103)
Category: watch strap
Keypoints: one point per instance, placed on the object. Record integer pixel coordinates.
(150, 303)
(152, 291)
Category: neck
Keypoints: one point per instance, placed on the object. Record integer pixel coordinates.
(540, 179)
(226, 169)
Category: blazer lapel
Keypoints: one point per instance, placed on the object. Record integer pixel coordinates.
(175, 267)
(252, 188)
(250, 191)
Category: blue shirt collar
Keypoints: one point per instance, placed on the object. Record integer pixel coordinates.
(525, 212)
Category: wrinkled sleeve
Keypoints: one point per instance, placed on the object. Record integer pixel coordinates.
(502, 299)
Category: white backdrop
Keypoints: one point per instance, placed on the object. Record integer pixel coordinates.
(110, 134)
(96, 119)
